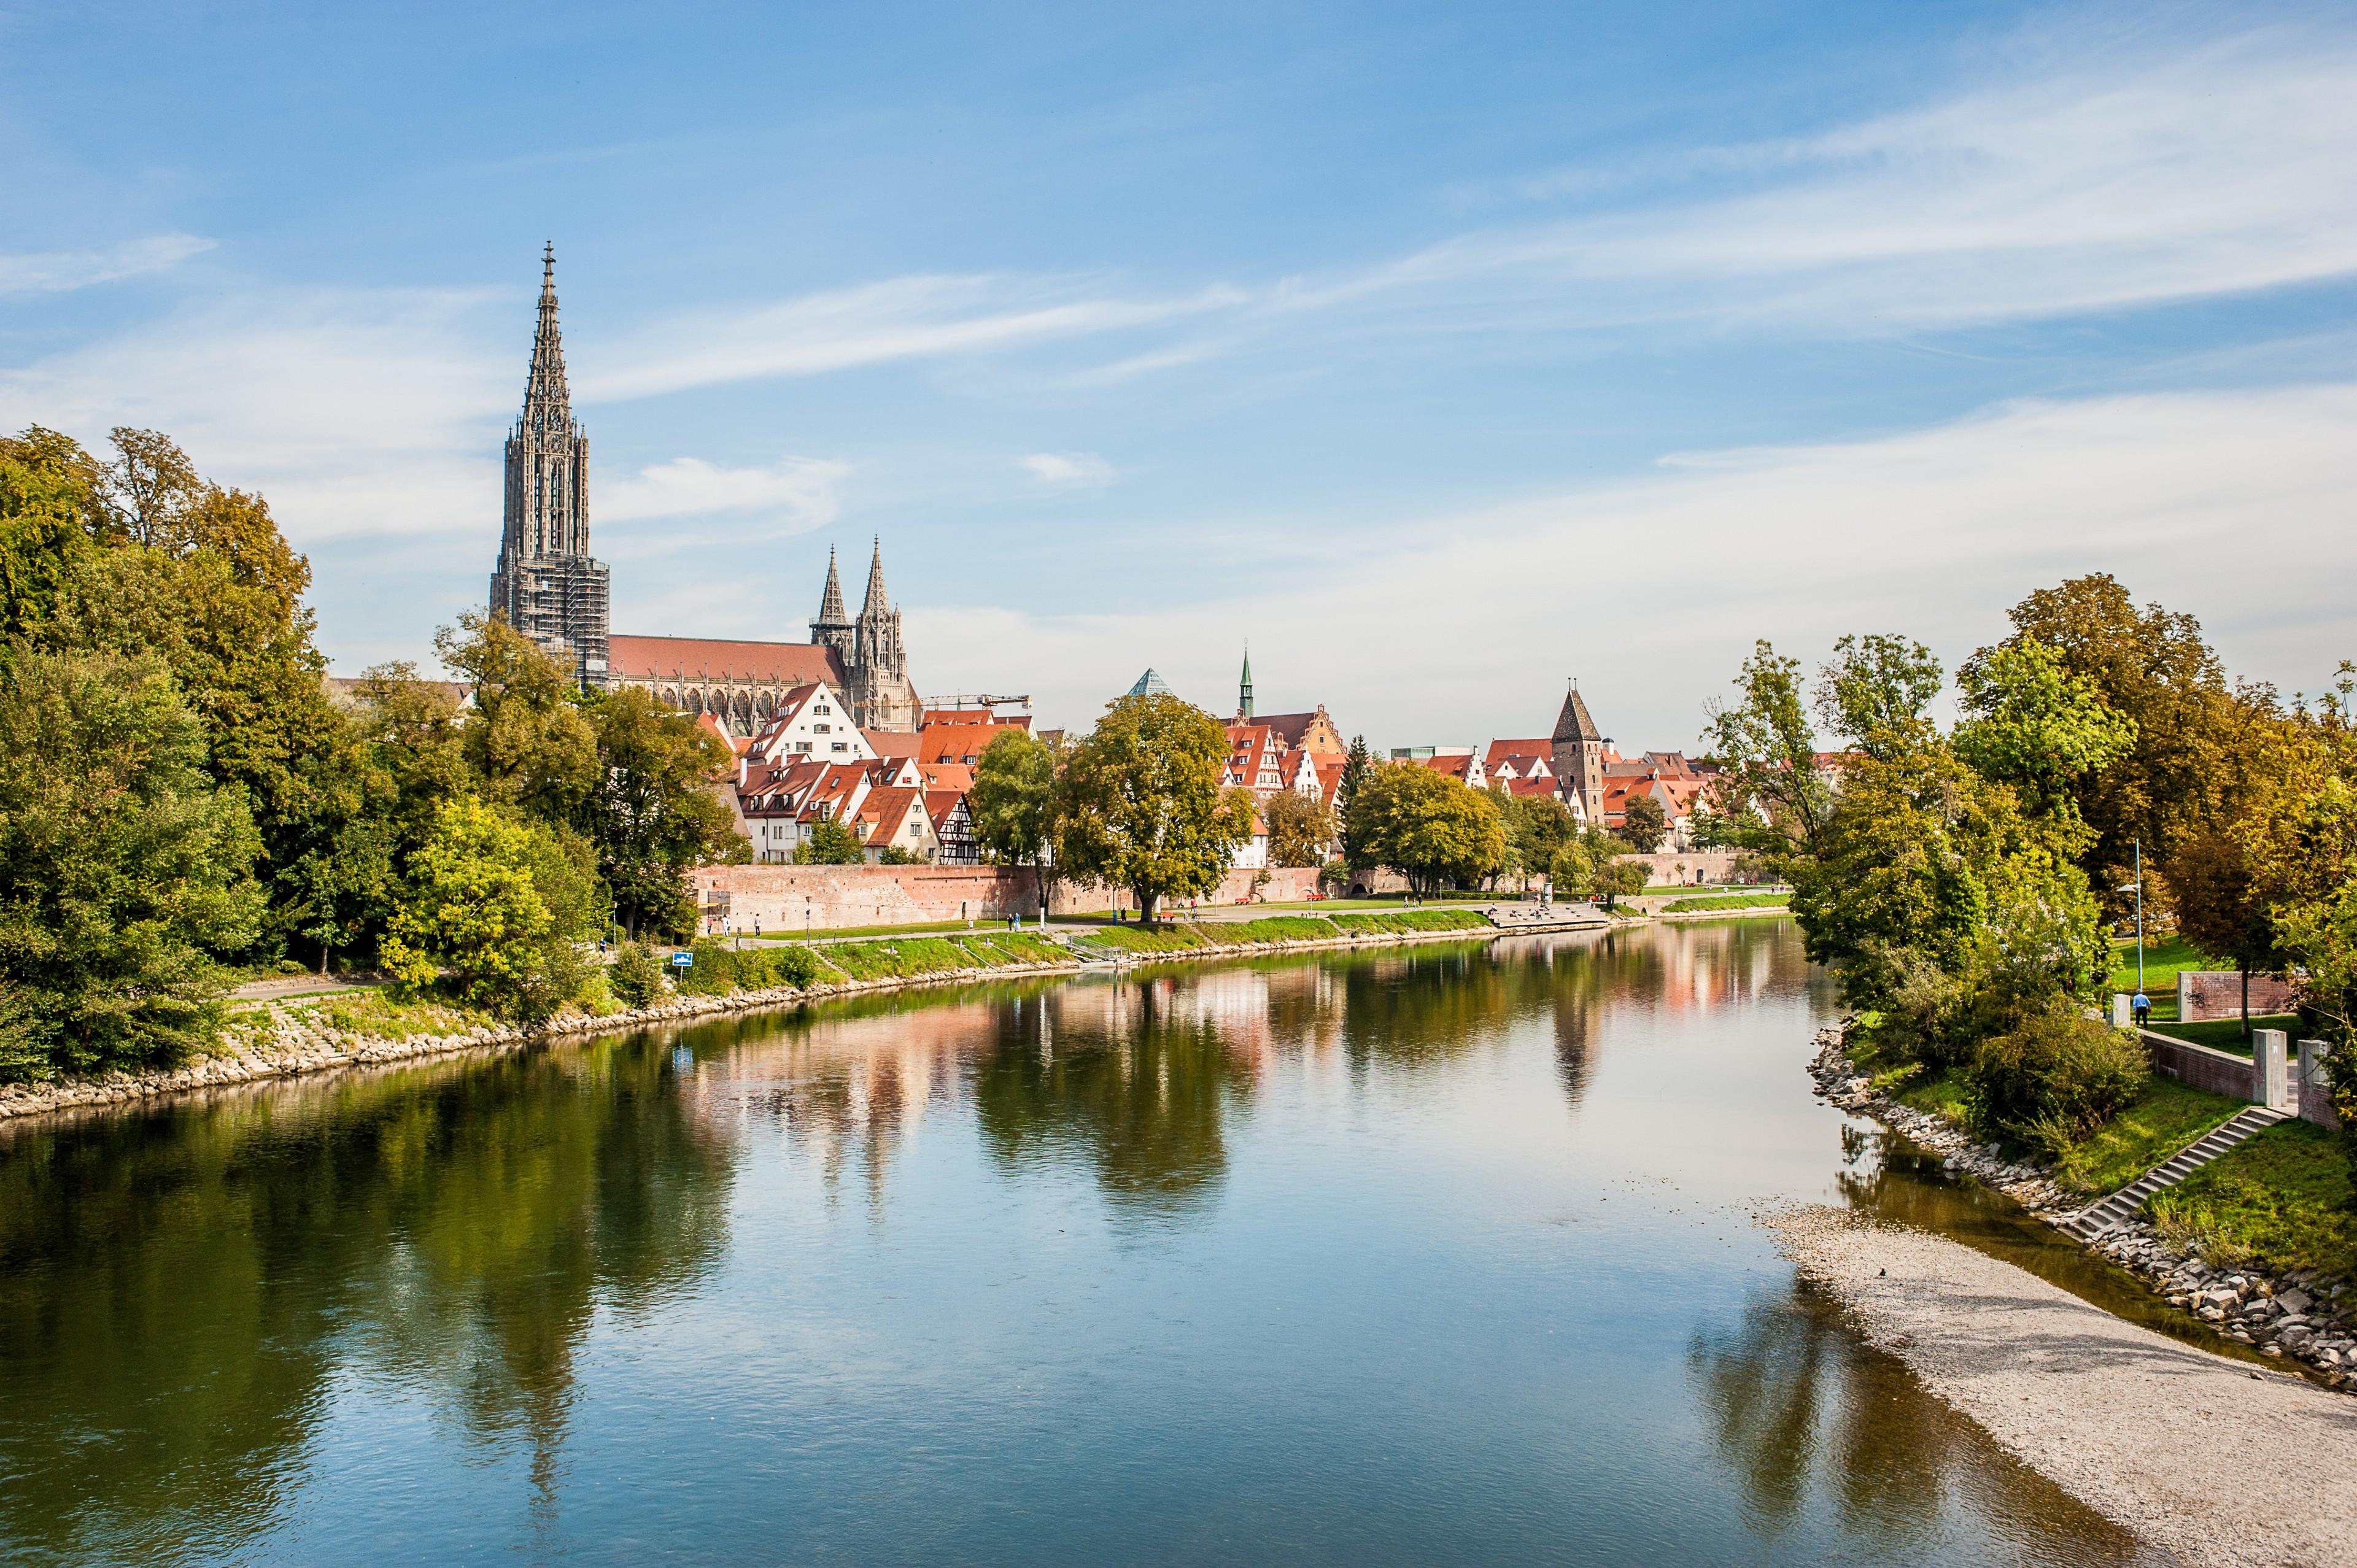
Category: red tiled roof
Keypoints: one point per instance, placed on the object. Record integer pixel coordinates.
(1541, 748)
(674, 658)
(883, 814)
(961, 744)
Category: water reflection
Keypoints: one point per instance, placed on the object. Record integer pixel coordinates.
(224, 1321)
(177, 1289)
(1795, 1404)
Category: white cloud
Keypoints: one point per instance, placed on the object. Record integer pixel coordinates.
(2084, 173)
(894, 319)
(1458, 628)
(798, 491)
(1068, 470)
(354, 413)
(57, 271)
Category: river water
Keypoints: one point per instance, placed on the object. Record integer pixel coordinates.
(1419, 1256)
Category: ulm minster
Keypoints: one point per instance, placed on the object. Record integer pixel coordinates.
(548, 585)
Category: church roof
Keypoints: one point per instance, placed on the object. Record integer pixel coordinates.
(878, 602)
(1575, 723)
(1151, 685)
(684, 658)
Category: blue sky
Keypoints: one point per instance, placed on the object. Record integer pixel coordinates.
(1443, 352)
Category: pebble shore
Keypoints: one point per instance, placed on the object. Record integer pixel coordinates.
(2296, 1316)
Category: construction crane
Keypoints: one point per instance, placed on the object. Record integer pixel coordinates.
(975, 700)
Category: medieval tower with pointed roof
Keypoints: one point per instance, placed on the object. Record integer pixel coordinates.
(546, 585)
(1578, 755)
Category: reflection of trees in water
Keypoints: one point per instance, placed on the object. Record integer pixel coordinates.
(1137, 1091)
(172, 1287)
(1791, 1398)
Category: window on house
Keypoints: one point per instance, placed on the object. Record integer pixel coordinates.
(840, 746)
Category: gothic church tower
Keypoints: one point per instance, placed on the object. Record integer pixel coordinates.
(880, 693)
(546, 585)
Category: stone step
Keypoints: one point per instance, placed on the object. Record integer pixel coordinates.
(2119, 1207)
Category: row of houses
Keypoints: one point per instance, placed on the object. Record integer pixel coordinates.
(903, 793)
(1579, 765)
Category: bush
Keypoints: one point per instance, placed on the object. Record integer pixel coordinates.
(2052, 1080)
(720, 970)
(635, 976)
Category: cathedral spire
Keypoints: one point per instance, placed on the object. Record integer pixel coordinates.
(544, 391)
(830, 604)
(879, 601)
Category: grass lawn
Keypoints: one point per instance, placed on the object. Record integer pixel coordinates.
(2280, 1201)
(2162, 1120)
(1725, 901)
(2226, 1034)
(1186, 935)
(2163, 957)
(919, 956)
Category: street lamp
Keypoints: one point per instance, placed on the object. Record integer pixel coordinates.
(2137, 887)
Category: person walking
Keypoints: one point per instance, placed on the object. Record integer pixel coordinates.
(2142, 1008)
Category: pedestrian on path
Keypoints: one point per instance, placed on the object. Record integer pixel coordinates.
(2142, 1008)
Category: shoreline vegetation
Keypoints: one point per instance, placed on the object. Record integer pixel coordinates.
(2261, 1260)
(304, 1034)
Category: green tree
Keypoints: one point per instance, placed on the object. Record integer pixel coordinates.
(1355, 764)
(1875, 691)
(2221, 907)
(1536, 827)
(2152, 669)
(830, 844)
(1015, 802)
(1300, 829)
(1772, 801)
(493, 908)
(525, 737)
(2035, 725)
(1143, 805)
(125, 871)
(1593, 864)
(1429, 828)
(656, 809)
(48, 488)
(635, 976)
(1644, 824)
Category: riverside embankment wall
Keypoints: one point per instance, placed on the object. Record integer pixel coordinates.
(832, 897)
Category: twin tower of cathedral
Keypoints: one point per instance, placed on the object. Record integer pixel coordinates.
(548, 587)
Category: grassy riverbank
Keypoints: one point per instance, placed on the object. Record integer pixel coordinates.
(2163, 1117)
(2281, 1202)
(1197, 936)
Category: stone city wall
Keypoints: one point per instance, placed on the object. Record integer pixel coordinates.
(831, 898)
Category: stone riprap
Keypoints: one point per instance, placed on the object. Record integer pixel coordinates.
(2296, 1315)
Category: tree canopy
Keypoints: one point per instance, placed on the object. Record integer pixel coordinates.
(1427, 827)
(1143, 806)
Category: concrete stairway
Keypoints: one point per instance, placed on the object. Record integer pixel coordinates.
(2105, 1212)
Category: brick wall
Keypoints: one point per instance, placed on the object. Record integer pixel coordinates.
(2208, 994)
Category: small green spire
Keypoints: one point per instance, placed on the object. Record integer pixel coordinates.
(1243, 687)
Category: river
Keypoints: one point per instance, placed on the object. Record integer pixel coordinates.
(1420, 1255)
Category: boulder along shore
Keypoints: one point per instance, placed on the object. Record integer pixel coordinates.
(2296, 1316)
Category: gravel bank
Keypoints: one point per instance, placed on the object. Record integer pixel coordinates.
(2203, 1456)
